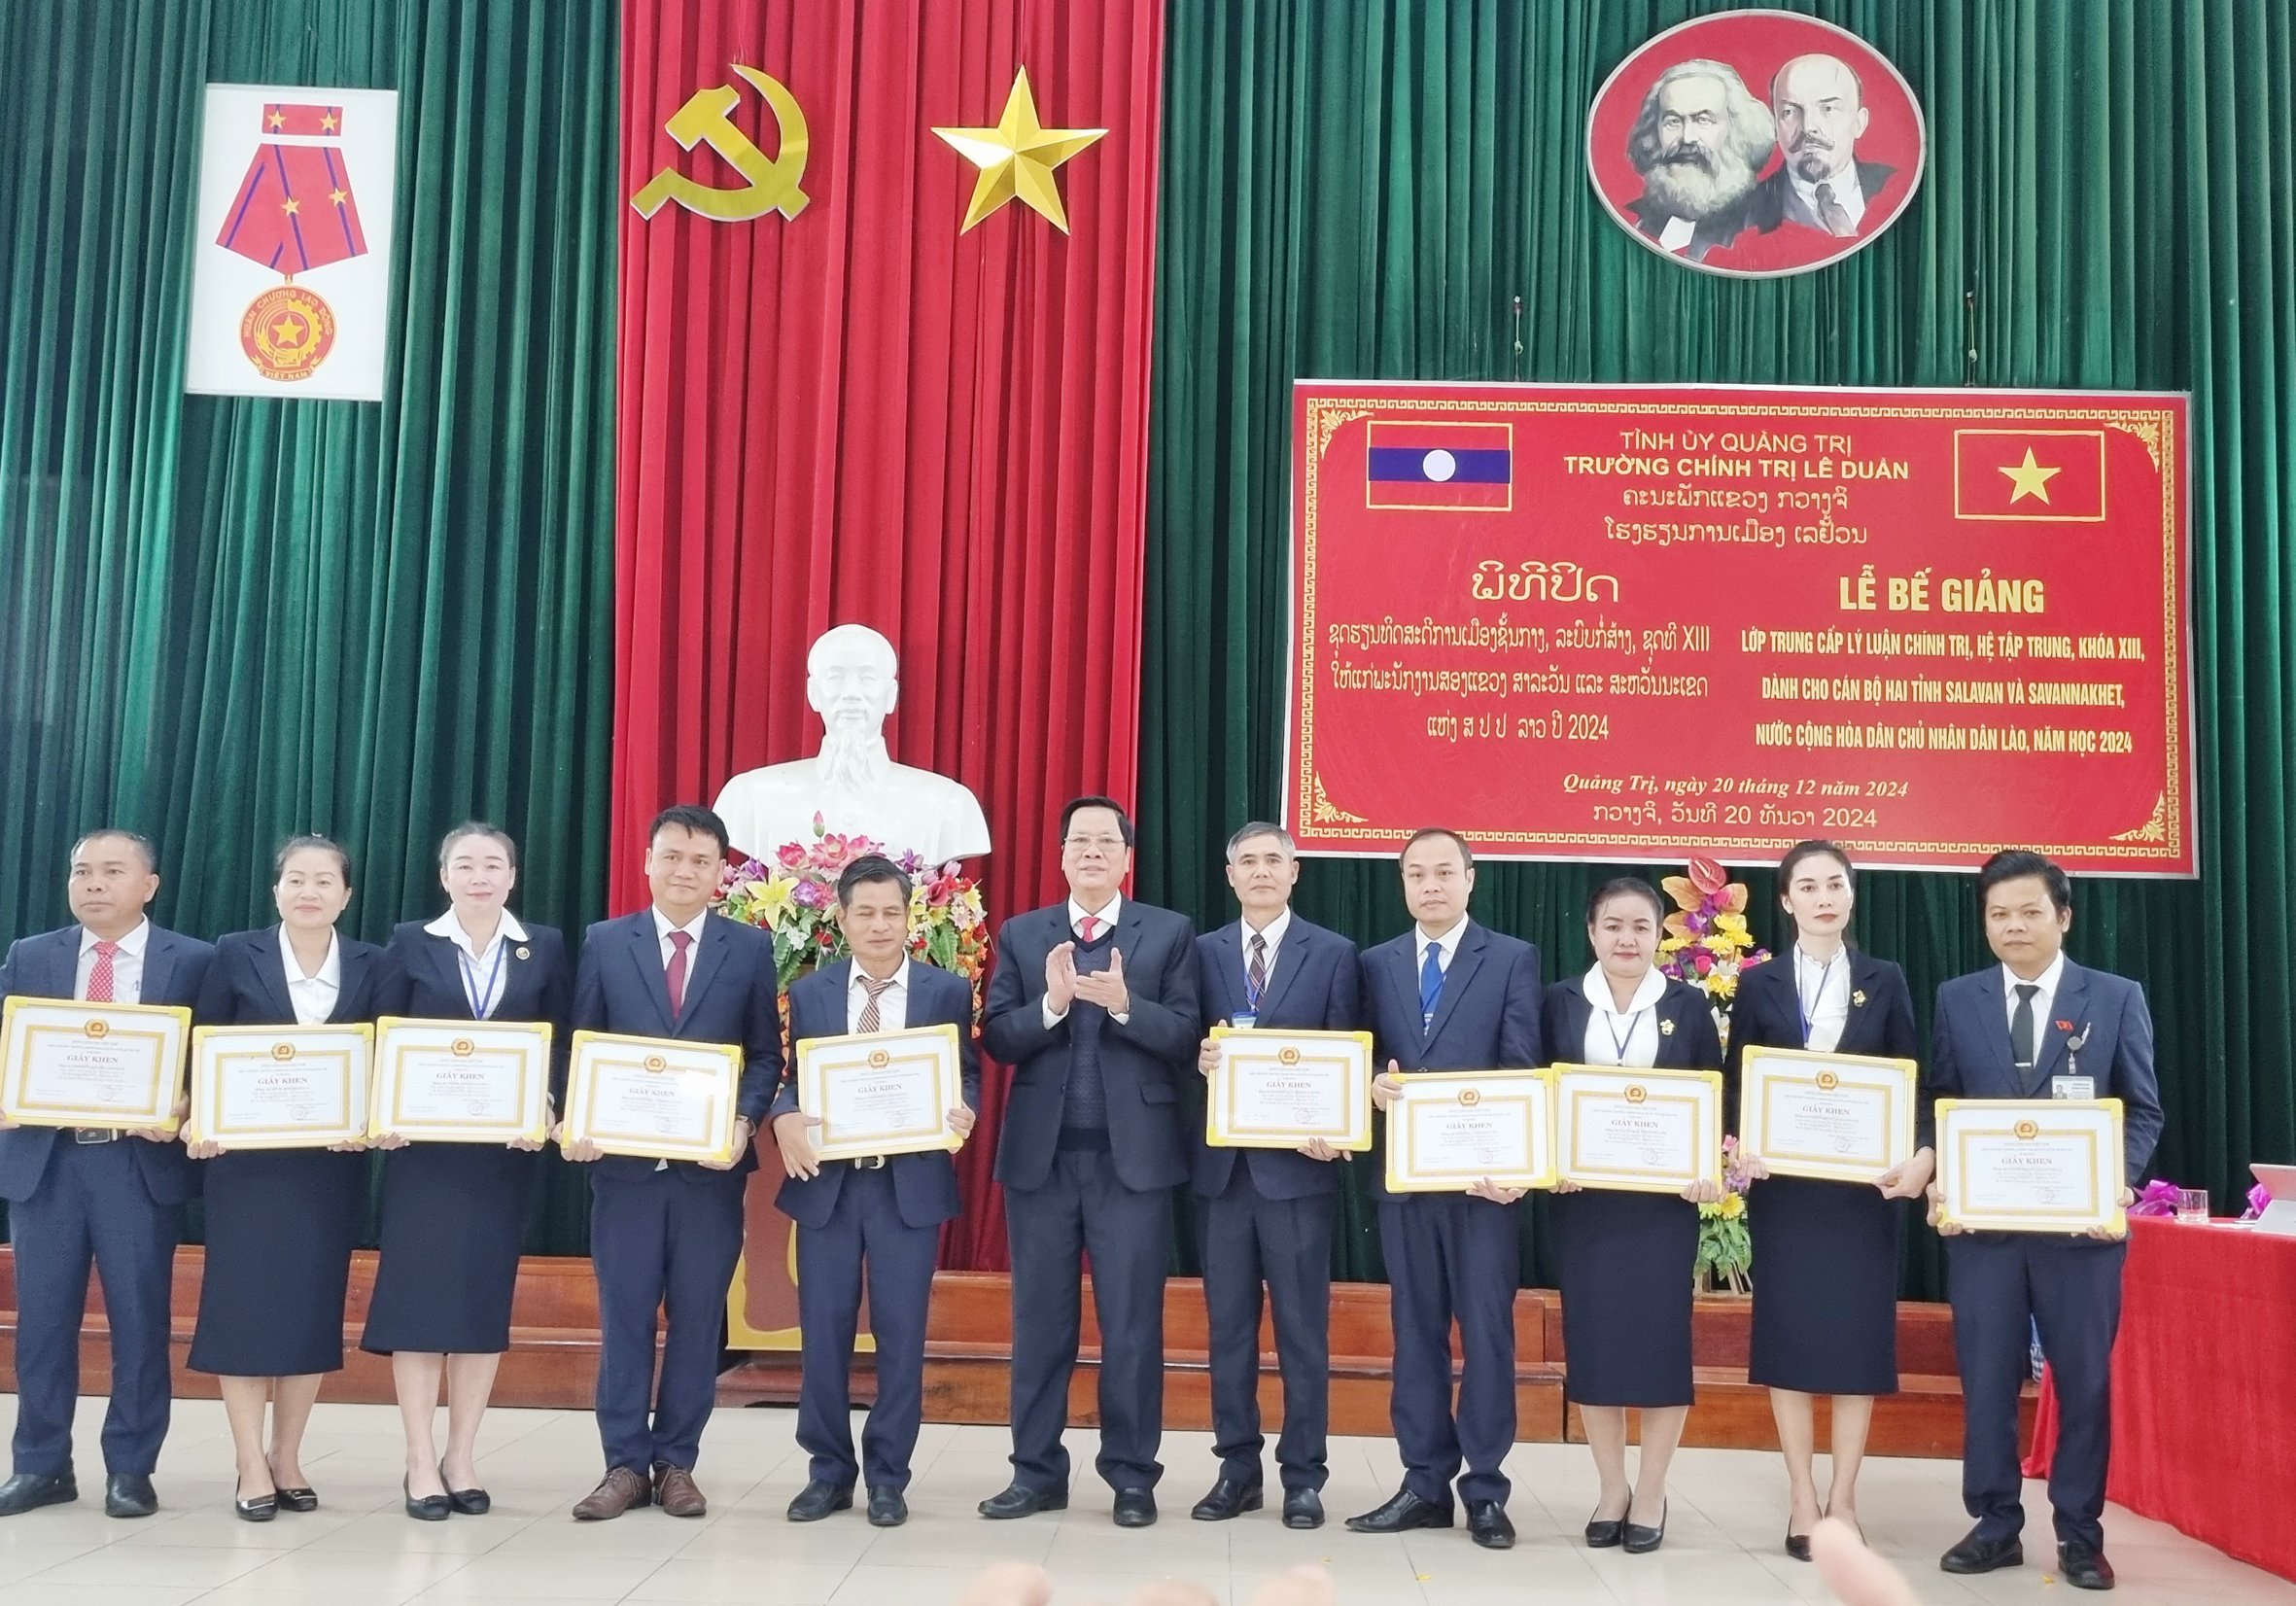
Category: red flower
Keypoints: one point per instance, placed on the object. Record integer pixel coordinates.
(1708, 877)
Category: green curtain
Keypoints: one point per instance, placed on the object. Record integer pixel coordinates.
(1361, 190)
(226, 620)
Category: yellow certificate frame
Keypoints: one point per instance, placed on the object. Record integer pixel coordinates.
(1524, 1095)
(823, 1060)
(219, 1052)
(1768, 1072)
(1348, 1052)
(28, 1025)
(397, 1036)
(1969, 1128)
(1576, 1088)
(598, 1054)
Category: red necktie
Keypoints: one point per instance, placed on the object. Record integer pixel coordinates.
(99, 976)
(1085, 927)
(680, 941)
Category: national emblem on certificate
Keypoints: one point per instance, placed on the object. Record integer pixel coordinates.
(1446, 1131)
(462, 1081)
(2030, 1164)
(653, 1098)
(881, 1091)
(1637, 1130)
(1838, 1118)
(1278, 1090)
(279, 1087)
(92, 1065)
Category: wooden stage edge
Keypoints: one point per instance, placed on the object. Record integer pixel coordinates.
(553, 1360)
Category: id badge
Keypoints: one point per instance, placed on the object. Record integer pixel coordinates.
(2072, 1087)
(1243, 1020)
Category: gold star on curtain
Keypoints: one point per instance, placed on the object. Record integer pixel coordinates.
(1017, 158)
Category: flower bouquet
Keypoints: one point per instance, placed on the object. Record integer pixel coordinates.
(791, 894)
(1707, 942)
(1725, 1248)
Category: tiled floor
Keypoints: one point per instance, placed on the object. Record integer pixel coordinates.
(359, 1549)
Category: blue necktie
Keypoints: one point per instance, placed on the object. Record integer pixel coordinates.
(1430, 984)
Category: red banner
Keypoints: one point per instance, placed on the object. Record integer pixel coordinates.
(1638, 622)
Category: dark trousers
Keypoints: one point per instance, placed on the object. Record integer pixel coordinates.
(2001, 1283)
(91, 1208)
(660, 1242)
(1449, 1256)
(1286, 1245)
(1081, 1209)
(864, 1236)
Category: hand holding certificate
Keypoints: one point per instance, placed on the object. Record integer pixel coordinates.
(278, 1087)
(882, 1093)
(2030, 1166)
(653, 1098)
(1639, 1131)
(1457, 1131)
(462, 1081)
(1285, 1090)
(92, 1065)
(1840, 1118)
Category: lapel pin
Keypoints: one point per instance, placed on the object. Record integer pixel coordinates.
(1666, 1029)
(525, 954)
(2063, 1026)
(1857, 998)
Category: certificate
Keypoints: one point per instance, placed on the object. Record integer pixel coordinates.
(1446, 1131)
(92, 1065)
(881, 1091)
(653, 1098)
(1276, 1090)
(462, 1081)
(2030, 1164)
(1838, 1117)
(279, 1087)
(1637, 1130)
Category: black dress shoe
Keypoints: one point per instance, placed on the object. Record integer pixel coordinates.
(1605, 1533)
(425, 1507)
(1135, 1508)
(30, 1490)
(1020, 1500)
(887, 1508)
(2083, 1565)
(1975, 1555)
(1227, 1499)
(298, 1499)
(1406, 1511)
(1487, 1525)
(817, 1500)
(129, 1494)
(1642, 1541)
(466, 1502)
(261, 1509)
(1797, 1545)
(1302, 1509)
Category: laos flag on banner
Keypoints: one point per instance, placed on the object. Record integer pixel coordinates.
(1440, 466)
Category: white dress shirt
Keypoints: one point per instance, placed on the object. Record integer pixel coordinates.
(893, 1004)
(2048, 981)
(1103, 921)
(1446, 947)
(692, 929)
(1678, 234)
(313, 996)
(127, 965)
(1823, 992)
(482, 968)
(1627, 1036)
(1848, 194)
(1272, 933)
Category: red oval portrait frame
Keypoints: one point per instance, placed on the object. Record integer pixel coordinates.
(1767, 232)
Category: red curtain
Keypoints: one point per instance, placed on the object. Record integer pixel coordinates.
(861, 414)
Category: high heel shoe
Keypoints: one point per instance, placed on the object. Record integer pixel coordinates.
(427, 1508)
(1607, 1533)
(467, 1502)
(1797, 1545)
(261, 1509)
(1642, 1541)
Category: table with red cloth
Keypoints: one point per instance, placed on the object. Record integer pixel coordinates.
(2204, 1388)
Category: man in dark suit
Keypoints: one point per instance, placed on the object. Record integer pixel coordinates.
(2038, 1025)
(882, 1212)
(1268, 1212)
(1820, 109)
(663, 1234)
(1093, 1004)
(95, 1195)
(1451, 994)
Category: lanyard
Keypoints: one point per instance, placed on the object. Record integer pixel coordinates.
(1619, 1040)
(1809, 1011)
(482, 998)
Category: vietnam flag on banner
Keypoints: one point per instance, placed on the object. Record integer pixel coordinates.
(2044, 476)
(875, 373)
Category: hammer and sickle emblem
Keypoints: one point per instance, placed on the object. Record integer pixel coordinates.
(706, 118)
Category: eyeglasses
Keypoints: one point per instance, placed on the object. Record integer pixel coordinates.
(1103, 843)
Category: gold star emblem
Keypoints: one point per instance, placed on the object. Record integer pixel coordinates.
(286, 331)
(326, 124)
(278, 117)
(291, 207)
(1017, 158)
(2030, 478)
(339, 197)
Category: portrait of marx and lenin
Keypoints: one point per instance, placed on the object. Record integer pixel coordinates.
(1756, 144)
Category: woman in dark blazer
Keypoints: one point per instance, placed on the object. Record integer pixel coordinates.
(1825, 1283)
(1628, 1259)
(454, 1214)
(281, 1223)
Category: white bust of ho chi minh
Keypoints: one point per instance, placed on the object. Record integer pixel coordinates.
(851, 681)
